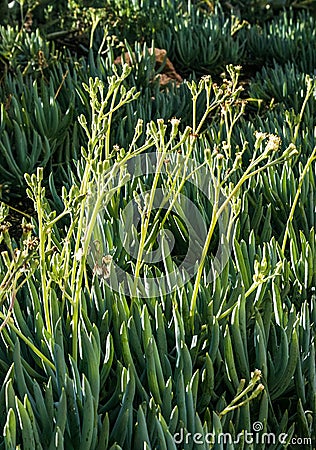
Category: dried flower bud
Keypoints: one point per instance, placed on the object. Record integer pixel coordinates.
(175, 126)
(256, 374)
(290, 152)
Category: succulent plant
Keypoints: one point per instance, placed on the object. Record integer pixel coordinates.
(111, 336)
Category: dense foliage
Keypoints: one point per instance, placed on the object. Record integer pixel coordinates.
(161, 292)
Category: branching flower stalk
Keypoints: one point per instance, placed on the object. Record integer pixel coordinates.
(271, 146)
(96, 170)
(252, 387)
(96, 137)
(163, 149)
(42, 251)
(36, 192)
(261, 279)
(229, 91)
(159, 137)
(23, 265)
(311, 86)
(232, 115)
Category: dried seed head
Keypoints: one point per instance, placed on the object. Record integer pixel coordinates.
(32, 243)
(103, 270)
(273, 143)
(260, 136)
(107, 259)
(79, 254)
(4, 227)
(27, 227)
(174, 121)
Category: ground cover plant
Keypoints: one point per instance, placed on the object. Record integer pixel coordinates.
(157, 225)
